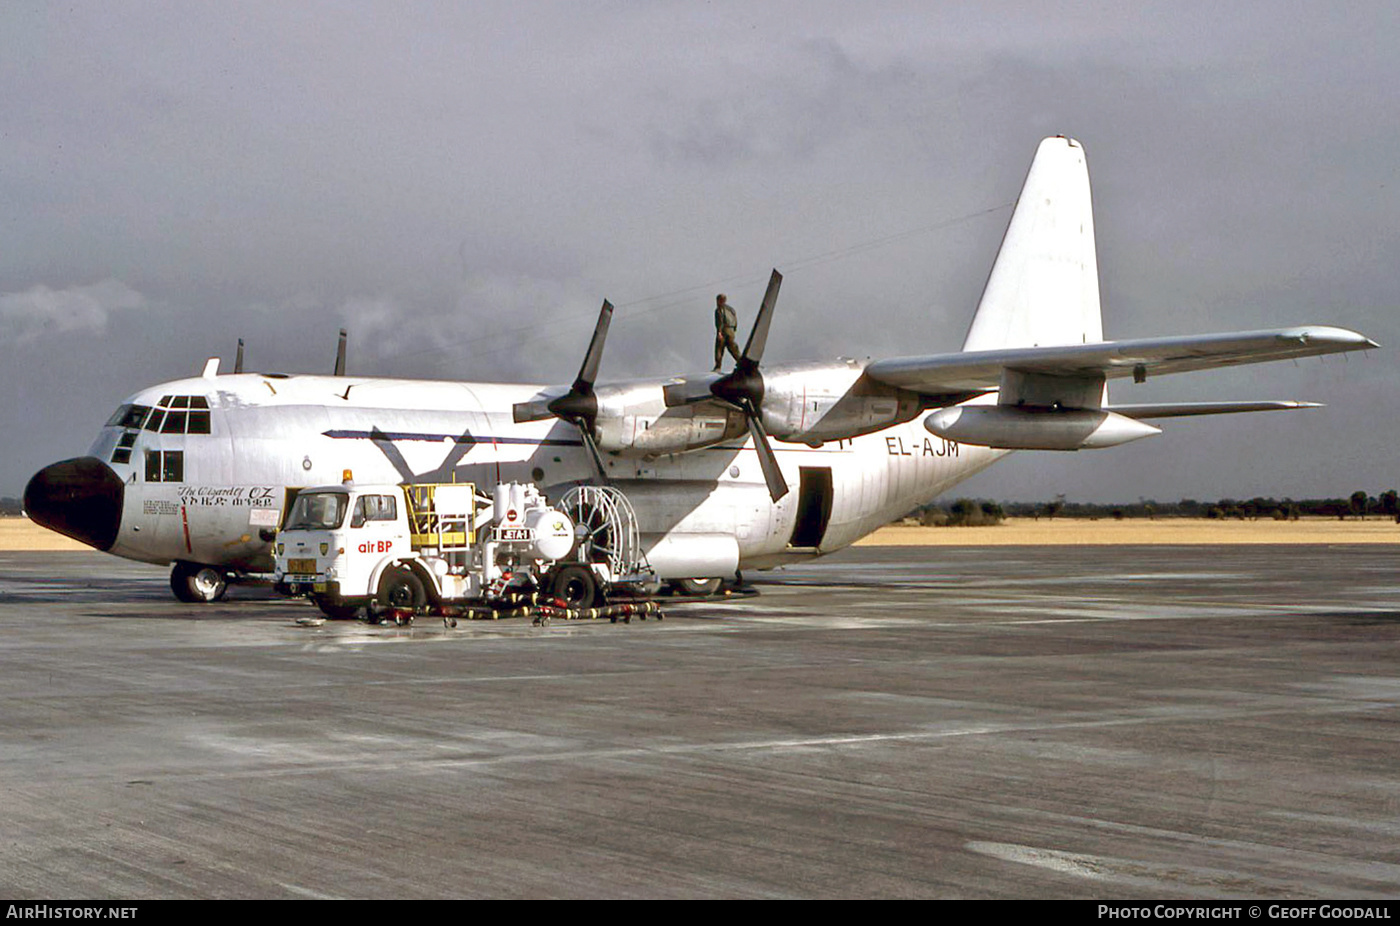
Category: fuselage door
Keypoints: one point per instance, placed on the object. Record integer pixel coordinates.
(813, 507)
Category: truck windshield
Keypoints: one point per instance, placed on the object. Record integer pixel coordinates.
(317, 511)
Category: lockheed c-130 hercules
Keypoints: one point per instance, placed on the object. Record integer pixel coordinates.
(749, 469)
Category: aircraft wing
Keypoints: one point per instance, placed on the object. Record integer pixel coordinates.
(981, 371)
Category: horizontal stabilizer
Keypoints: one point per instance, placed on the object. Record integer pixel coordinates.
(1188, 409)
(981, 371)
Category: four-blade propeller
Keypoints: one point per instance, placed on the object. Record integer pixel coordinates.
(578, 406)
(742, 389)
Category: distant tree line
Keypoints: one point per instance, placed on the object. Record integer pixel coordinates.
(1359, 504)
(10, 506)
(965, 512)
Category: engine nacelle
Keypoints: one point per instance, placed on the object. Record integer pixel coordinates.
(819, 402)
(633, 420)
(1029, 428)
(810, 403)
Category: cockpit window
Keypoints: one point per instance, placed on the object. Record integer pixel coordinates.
(129, 416)
(165, 466)
(122, 452)
(173, 468)
(317, 511)
(171, 417)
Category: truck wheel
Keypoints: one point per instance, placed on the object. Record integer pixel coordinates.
(701, 588)
(401, 590)
(338, 612)
(196, 584)
(576, 586)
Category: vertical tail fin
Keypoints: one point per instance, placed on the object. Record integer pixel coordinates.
(1044, 286)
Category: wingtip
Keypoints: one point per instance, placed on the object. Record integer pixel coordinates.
(1343, 337)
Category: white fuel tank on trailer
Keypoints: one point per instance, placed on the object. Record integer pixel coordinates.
(552, 533)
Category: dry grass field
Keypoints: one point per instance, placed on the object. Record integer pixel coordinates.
(1072, 532)
(23, 535)
(20, 534)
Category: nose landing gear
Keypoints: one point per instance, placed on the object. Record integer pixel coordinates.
(194, 583)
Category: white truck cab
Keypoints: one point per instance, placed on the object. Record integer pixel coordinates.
(338, 542)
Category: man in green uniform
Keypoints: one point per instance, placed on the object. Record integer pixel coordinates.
(726, 323)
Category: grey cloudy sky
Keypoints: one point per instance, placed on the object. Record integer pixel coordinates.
(460, 184)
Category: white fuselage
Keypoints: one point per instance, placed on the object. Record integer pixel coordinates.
(205, 497)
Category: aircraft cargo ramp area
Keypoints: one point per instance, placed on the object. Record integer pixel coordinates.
(1110, 722)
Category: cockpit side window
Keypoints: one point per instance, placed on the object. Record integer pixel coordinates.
(174, 468)
(122, 453)
(165, 466)
(129, 416)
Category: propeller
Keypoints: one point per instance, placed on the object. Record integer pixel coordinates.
(238, 358)
(743, 388)
(578, 406)
(340, 355)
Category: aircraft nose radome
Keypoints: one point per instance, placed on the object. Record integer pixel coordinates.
(80, 498)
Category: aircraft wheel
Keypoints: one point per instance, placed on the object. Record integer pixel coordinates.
(701, 588)
(196, 584)
(576, 585)
(400, 589)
